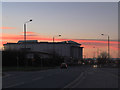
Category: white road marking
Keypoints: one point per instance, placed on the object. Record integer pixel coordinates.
(74, 86)
(6, 76)
(37, 78)
(114, 75)
(70, 84)
(15, 85)
(53, 74)
(23, 82)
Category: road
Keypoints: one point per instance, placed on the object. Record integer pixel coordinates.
(73, 77)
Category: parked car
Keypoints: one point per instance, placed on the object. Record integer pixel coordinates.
(63, 65)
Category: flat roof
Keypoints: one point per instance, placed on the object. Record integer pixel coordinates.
(43, 43)
(36, 42)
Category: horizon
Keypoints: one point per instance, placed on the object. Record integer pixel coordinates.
(80, 22)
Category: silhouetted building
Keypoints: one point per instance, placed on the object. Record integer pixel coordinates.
(66, 49)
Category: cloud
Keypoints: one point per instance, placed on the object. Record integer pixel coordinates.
(7, 28)
(33, 36)
(15, 37)
(30, 35)
(114, 48)
(87, 44)
(29, 32)
(95, 41)
(6, 36)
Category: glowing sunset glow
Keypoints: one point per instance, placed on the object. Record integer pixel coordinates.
(21, 37)
(87, 44)
(28, 32)
(80, 22)
(7, 28)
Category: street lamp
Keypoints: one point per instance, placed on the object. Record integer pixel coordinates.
(108, 45)
(54, 45)
(55, 36)
(25, 26)
(97, 52)
(94, 53)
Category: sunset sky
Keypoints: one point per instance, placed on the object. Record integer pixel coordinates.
(77, 21)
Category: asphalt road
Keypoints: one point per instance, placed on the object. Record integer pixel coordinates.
(73, 77)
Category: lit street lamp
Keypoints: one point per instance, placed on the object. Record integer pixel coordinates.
(108, 45)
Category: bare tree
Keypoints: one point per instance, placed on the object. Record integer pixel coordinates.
(103, 58)
(103, 55)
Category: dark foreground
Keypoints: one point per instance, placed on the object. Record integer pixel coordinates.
(73, 77)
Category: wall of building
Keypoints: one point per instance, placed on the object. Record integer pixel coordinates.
(65, 50)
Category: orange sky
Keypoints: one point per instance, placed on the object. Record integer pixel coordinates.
(7, 28)
(80, 22)
(90, 46)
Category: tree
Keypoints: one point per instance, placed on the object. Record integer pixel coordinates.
(102, 58)
(103, 55)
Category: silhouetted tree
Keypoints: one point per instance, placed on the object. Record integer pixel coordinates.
(102, 58)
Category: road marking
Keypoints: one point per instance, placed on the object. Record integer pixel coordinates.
(37, 78)
(75, 86)
(15, 85)
(116, 76)
(53, 74)
(73, 82)
(6, 76)
(23, 82)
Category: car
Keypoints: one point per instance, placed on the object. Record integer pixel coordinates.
(95, 66)
(63, 65)
(83, 63)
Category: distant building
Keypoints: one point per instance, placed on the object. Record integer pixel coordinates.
(66, 49)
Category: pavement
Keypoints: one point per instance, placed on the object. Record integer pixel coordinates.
(72, 77)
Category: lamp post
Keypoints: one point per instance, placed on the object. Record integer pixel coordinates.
(97, 52)
(25, 26)
(94, 54)
(108, 45)
(54, 37)
(54, 45)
